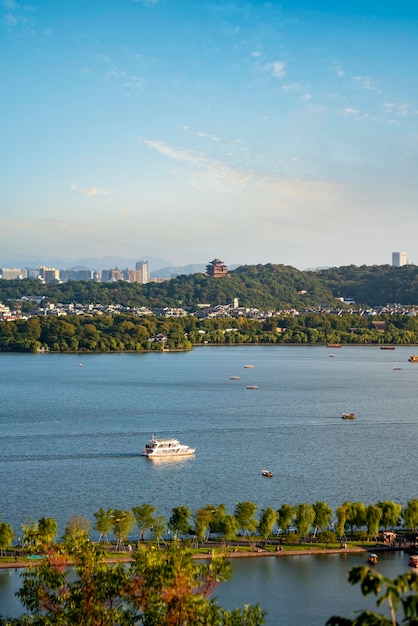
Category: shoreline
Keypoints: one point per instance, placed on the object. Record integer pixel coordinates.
(228, 555)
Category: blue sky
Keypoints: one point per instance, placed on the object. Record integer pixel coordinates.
(256, 132)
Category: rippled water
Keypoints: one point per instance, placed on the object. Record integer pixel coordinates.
(71, 437)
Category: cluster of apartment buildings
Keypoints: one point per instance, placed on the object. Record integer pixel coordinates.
(51, 275)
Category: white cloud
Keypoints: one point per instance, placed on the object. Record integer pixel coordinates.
(89, 191)
(350, 111)
(278, 69)
(256, 54)
(94, 191)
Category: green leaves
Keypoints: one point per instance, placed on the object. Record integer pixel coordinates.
(393, 592)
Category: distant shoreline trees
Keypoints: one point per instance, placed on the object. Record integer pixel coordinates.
(128, 333)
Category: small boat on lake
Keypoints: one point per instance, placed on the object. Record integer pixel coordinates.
(266, 473)
(248, 367)
(387, 347)
(252, 387)
(334, 345)
(234, 378)
(348, 416)
(164, 448)
(372, 559)
(413, 358)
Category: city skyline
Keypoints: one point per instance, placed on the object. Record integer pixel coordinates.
(255, 132)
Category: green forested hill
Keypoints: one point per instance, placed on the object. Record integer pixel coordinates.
(260, 286)
(374, 285)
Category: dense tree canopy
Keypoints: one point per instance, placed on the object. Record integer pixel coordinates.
(270, 286)
(126, 332)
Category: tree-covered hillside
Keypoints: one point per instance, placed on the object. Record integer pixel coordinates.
(374, 285)
(260, 286)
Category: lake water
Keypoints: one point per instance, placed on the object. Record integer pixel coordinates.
(294, 590)
(71, 436)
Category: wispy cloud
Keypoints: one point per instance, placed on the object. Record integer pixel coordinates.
(42, 224)
(400, 109)
(350, 111)
(89, 191)
(207, 136)
(130, 84)
(292, 87)
(217, 172)
(17, 17)
(365, 82)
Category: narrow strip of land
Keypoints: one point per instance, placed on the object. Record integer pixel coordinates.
(257, 552)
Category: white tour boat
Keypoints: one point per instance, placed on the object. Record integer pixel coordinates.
(165, 448)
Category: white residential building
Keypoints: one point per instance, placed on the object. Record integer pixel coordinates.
(398, 259)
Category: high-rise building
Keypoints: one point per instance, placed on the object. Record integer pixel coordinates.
(134, 276)
(13, 273)
(143, 267)
(398, 259)
(49, 275)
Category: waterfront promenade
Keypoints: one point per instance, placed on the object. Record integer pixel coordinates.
(238, 550)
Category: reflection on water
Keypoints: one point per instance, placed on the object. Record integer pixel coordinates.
(295, 591)
(162, 460)
(303, 590)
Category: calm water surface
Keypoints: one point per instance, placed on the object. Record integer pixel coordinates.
(71, 437)
(295, 591)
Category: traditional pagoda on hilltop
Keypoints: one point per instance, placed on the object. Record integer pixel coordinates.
(216, 269)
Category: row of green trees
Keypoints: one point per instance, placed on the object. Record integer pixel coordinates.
(125, 332)
(215, 520)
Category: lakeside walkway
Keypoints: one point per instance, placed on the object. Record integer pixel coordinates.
(256, 552)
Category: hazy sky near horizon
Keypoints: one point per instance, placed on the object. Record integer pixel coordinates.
(255, 132)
